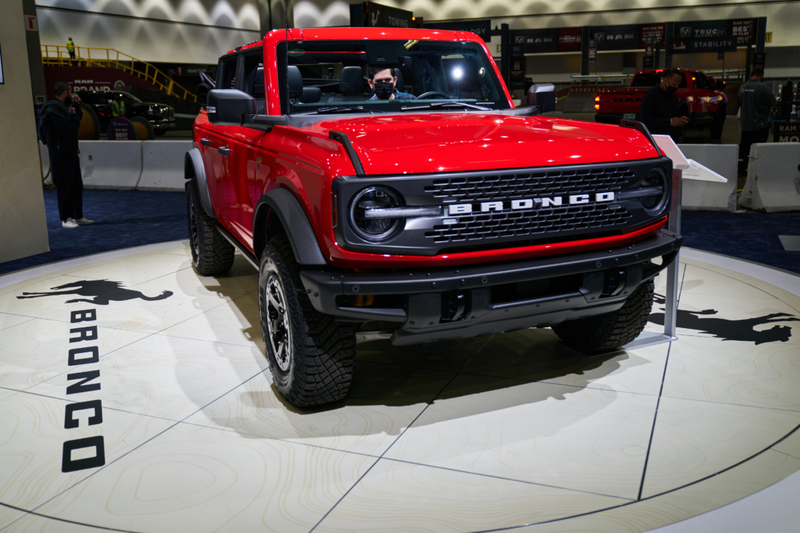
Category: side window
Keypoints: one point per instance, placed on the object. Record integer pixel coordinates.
(226, 73)
(253, 78)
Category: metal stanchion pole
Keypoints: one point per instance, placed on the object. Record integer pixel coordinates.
(674, 225)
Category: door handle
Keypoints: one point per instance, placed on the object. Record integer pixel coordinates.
(224, 150)
(205, 142)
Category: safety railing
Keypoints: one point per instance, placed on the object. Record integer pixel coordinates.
(86, 56)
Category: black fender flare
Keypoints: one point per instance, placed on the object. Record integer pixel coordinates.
(294, 220)
(193, 168)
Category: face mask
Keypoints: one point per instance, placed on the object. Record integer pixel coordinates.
(383, 90)
(672, 90)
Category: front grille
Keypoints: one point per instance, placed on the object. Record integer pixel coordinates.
(531, 183)
(530, 223)
(533, 222)
(496, 209)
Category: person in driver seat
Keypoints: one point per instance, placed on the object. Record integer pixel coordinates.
(383, 81)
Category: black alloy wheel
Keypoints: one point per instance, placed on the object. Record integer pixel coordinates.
(310, 355)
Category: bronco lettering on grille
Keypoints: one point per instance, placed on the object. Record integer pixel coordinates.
(531, 203)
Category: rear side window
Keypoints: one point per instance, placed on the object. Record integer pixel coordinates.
(226, 73)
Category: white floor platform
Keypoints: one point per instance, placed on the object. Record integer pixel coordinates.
(505, 432)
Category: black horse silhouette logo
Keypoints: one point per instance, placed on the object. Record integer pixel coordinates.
(731, 330)
(100, 292)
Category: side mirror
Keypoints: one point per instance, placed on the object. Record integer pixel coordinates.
(543, 95)
(226, 107)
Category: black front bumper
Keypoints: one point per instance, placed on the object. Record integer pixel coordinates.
(463, 302)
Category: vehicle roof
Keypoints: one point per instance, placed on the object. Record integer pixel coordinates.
(347, 34)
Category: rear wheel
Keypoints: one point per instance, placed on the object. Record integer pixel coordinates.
(310, 355)
(211, 253)
(610, 331)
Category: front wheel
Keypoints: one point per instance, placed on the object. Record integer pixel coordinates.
(607, 332)
(310, 355)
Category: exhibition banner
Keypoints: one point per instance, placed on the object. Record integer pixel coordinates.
(482, 28)
(743, 29)
(625, 37)
(382, 16)
(655, 31)
(682, 45)
(569, 39)
(788, 132)
(701, 29)
(536, 41)
(517, 67)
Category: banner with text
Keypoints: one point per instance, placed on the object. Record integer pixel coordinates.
(569, 39)
(624, 37)
(482, 28)
(536, 41)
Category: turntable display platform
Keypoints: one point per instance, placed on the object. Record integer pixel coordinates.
(134, 355)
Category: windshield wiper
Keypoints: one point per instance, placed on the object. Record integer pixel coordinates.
(335, 109)
(435, 105)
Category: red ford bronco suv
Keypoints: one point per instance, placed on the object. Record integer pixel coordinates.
(446, 214)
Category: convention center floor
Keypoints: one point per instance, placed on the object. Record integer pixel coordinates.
(135, 396)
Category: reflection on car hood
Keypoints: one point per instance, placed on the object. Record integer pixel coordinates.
(455, 142)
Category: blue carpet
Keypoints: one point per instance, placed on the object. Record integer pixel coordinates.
(122, 219)
(751, 236)
(134, 218)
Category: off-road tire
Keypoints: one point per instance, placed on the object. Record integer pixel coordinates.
(212, 254)
(607, 332)
(310, 355)
(719, 122)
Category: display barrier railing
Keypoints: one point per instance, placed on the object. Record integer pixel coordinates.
(130, 165)
(773, 178)
(58, 55)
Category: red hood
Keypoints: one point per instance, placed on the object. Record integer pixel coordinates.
(453, 142)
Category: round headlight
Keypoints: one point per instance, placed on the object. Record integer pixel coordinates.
(657, 181)
(366, 215)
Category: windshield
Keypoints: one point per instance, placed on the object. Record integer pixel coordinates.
(381, 76)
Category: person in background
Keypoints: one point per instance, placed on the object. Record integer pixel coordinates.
(756, 101)
(71, 48)
(660, 107)
(787, 97)
(59, 123)
(117, 106)
(383, 81)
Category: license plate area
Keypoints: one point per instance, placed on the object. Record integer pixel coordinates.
(629, 116)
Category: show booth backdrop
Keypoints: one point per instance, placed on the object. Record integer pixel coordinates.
(22, 215)
(198, 32)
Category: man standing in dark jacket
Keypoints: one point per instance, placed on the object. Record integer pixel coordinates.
(756, 101)
(58, 128)
(660, 107)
